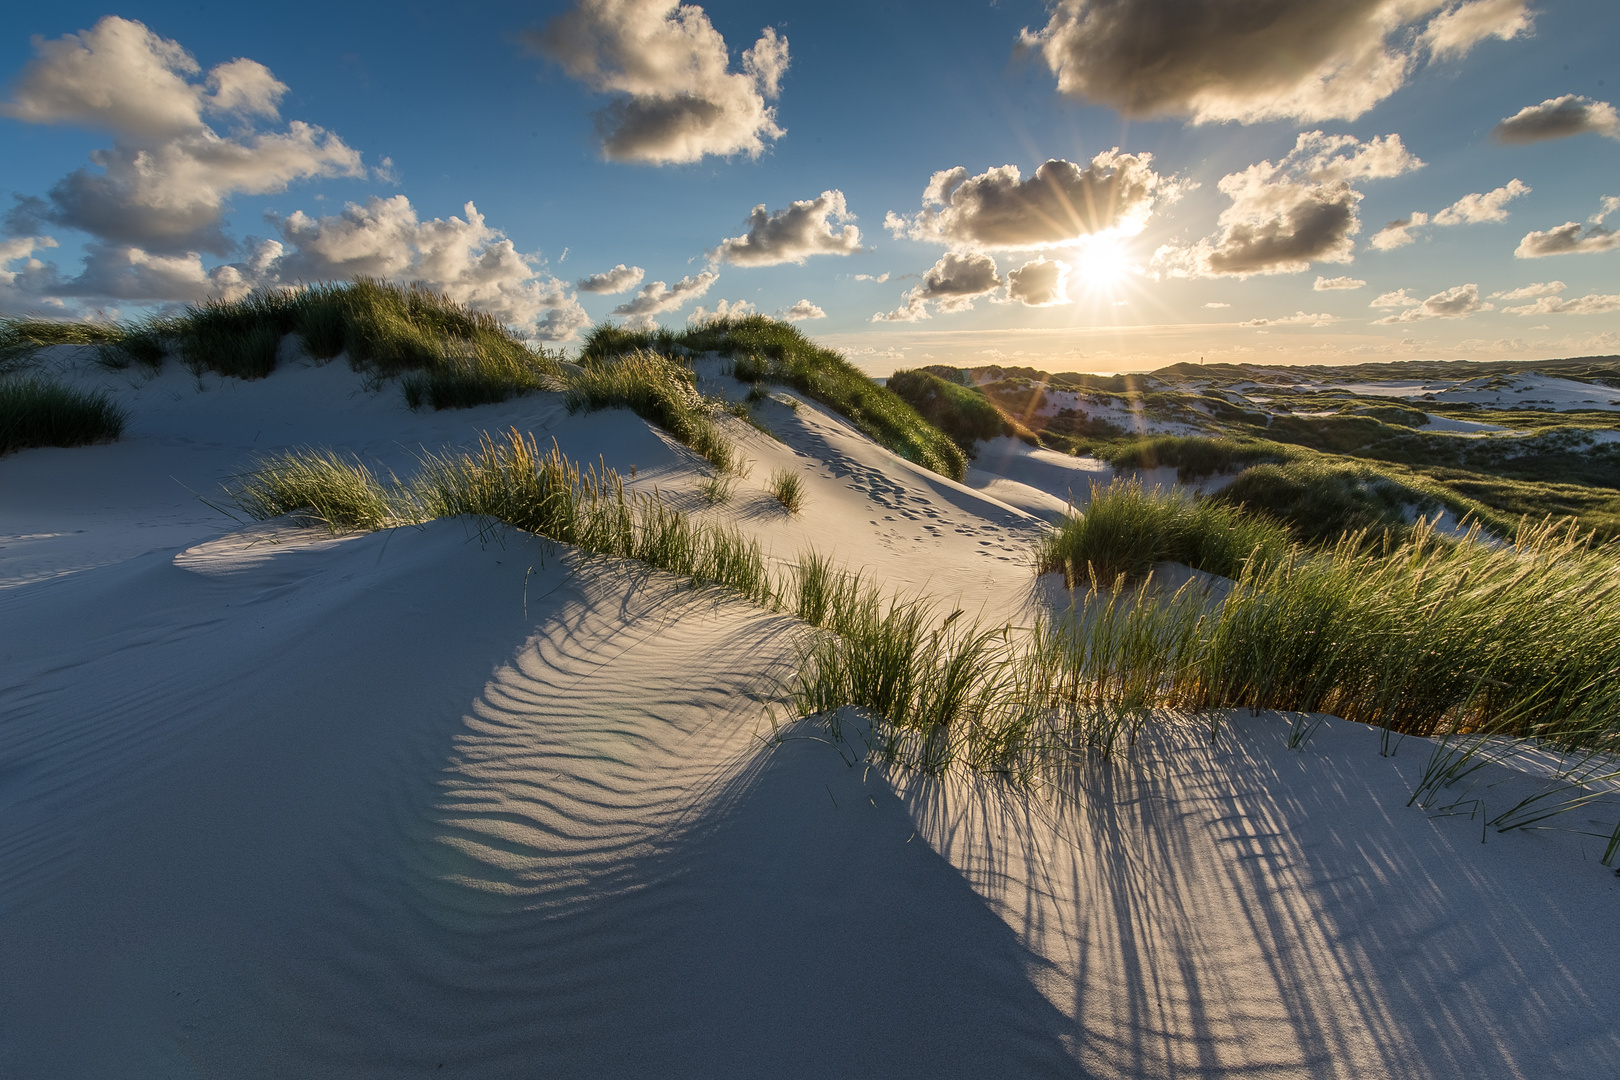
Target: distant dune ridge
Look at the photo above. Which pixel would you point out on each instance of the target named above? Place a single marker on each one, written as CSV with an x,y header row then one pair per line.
x,y
452,798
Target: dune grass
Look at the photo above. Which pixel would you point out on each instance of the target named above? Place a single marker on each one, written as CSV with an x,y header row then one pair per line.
x,y
20,336
1125,529
509,480
788,489
1421,638
765,350
340,493
716,490
1413,635
1192,456
961,412
658,390
1321,500
39,412
447,355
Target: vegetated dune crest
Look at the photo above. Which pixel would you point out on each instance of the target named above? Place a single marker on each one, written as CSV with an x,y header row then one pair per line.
x,y
278,803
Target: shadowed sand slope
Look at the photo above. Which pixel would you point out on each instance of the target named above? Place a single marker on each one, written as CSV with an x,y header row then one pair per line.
x,y
401,799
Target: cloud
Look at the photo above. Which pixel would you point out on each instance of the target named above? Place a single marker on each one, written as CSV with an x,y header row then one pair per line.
x,y
1458,302
657,298
1327,284
1568,239
1593,304
465,258
1396,299
1459,28
119,76
28,285
953,283
1558,118
725,309
880,279
164,183
123,272
616,280
1039,284
1468,210
676,97
1286,216
1061,203
1308,60
1216,304
801,311
1299,318
1491,206
1398,233
791,235
1529,292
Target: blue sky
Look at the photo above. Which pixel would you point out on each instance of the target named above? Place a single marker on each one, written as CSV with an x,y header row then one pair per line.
x,y
161,154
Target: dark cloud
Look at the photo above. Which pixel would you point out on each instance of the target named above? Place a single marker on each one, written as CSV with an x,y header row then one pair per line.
x,y
1061,203
1568,239
1558,118
1215,60
1039,283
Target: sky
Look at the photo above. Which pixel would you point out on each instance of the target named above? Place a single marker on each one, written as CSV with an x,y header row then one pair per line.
x,y
1077,185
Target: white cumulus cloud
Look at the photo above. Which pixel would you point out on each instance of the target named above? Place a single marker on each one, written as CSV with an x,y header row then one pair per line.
x,y
1307,60
655,298
1531,291
616,280
1468,210
676,97
1397,299
725,309
1458,302
952,283
1490,206
1284,217
793,234
465,258
1462,26
801,311
1327,284
1592,304
164,183
1061,203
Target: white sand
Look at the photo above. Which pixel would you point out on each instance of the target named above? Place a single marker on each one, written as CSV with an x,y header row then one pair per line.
x,y
274,804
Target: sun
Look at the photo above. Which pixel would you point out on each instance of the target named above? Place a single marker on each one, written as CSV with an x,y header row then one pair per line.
x,y
1102,264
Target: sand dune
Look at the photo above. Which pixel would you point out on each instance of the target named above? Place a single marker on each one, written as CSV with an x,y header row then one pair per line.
x,y
457,802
